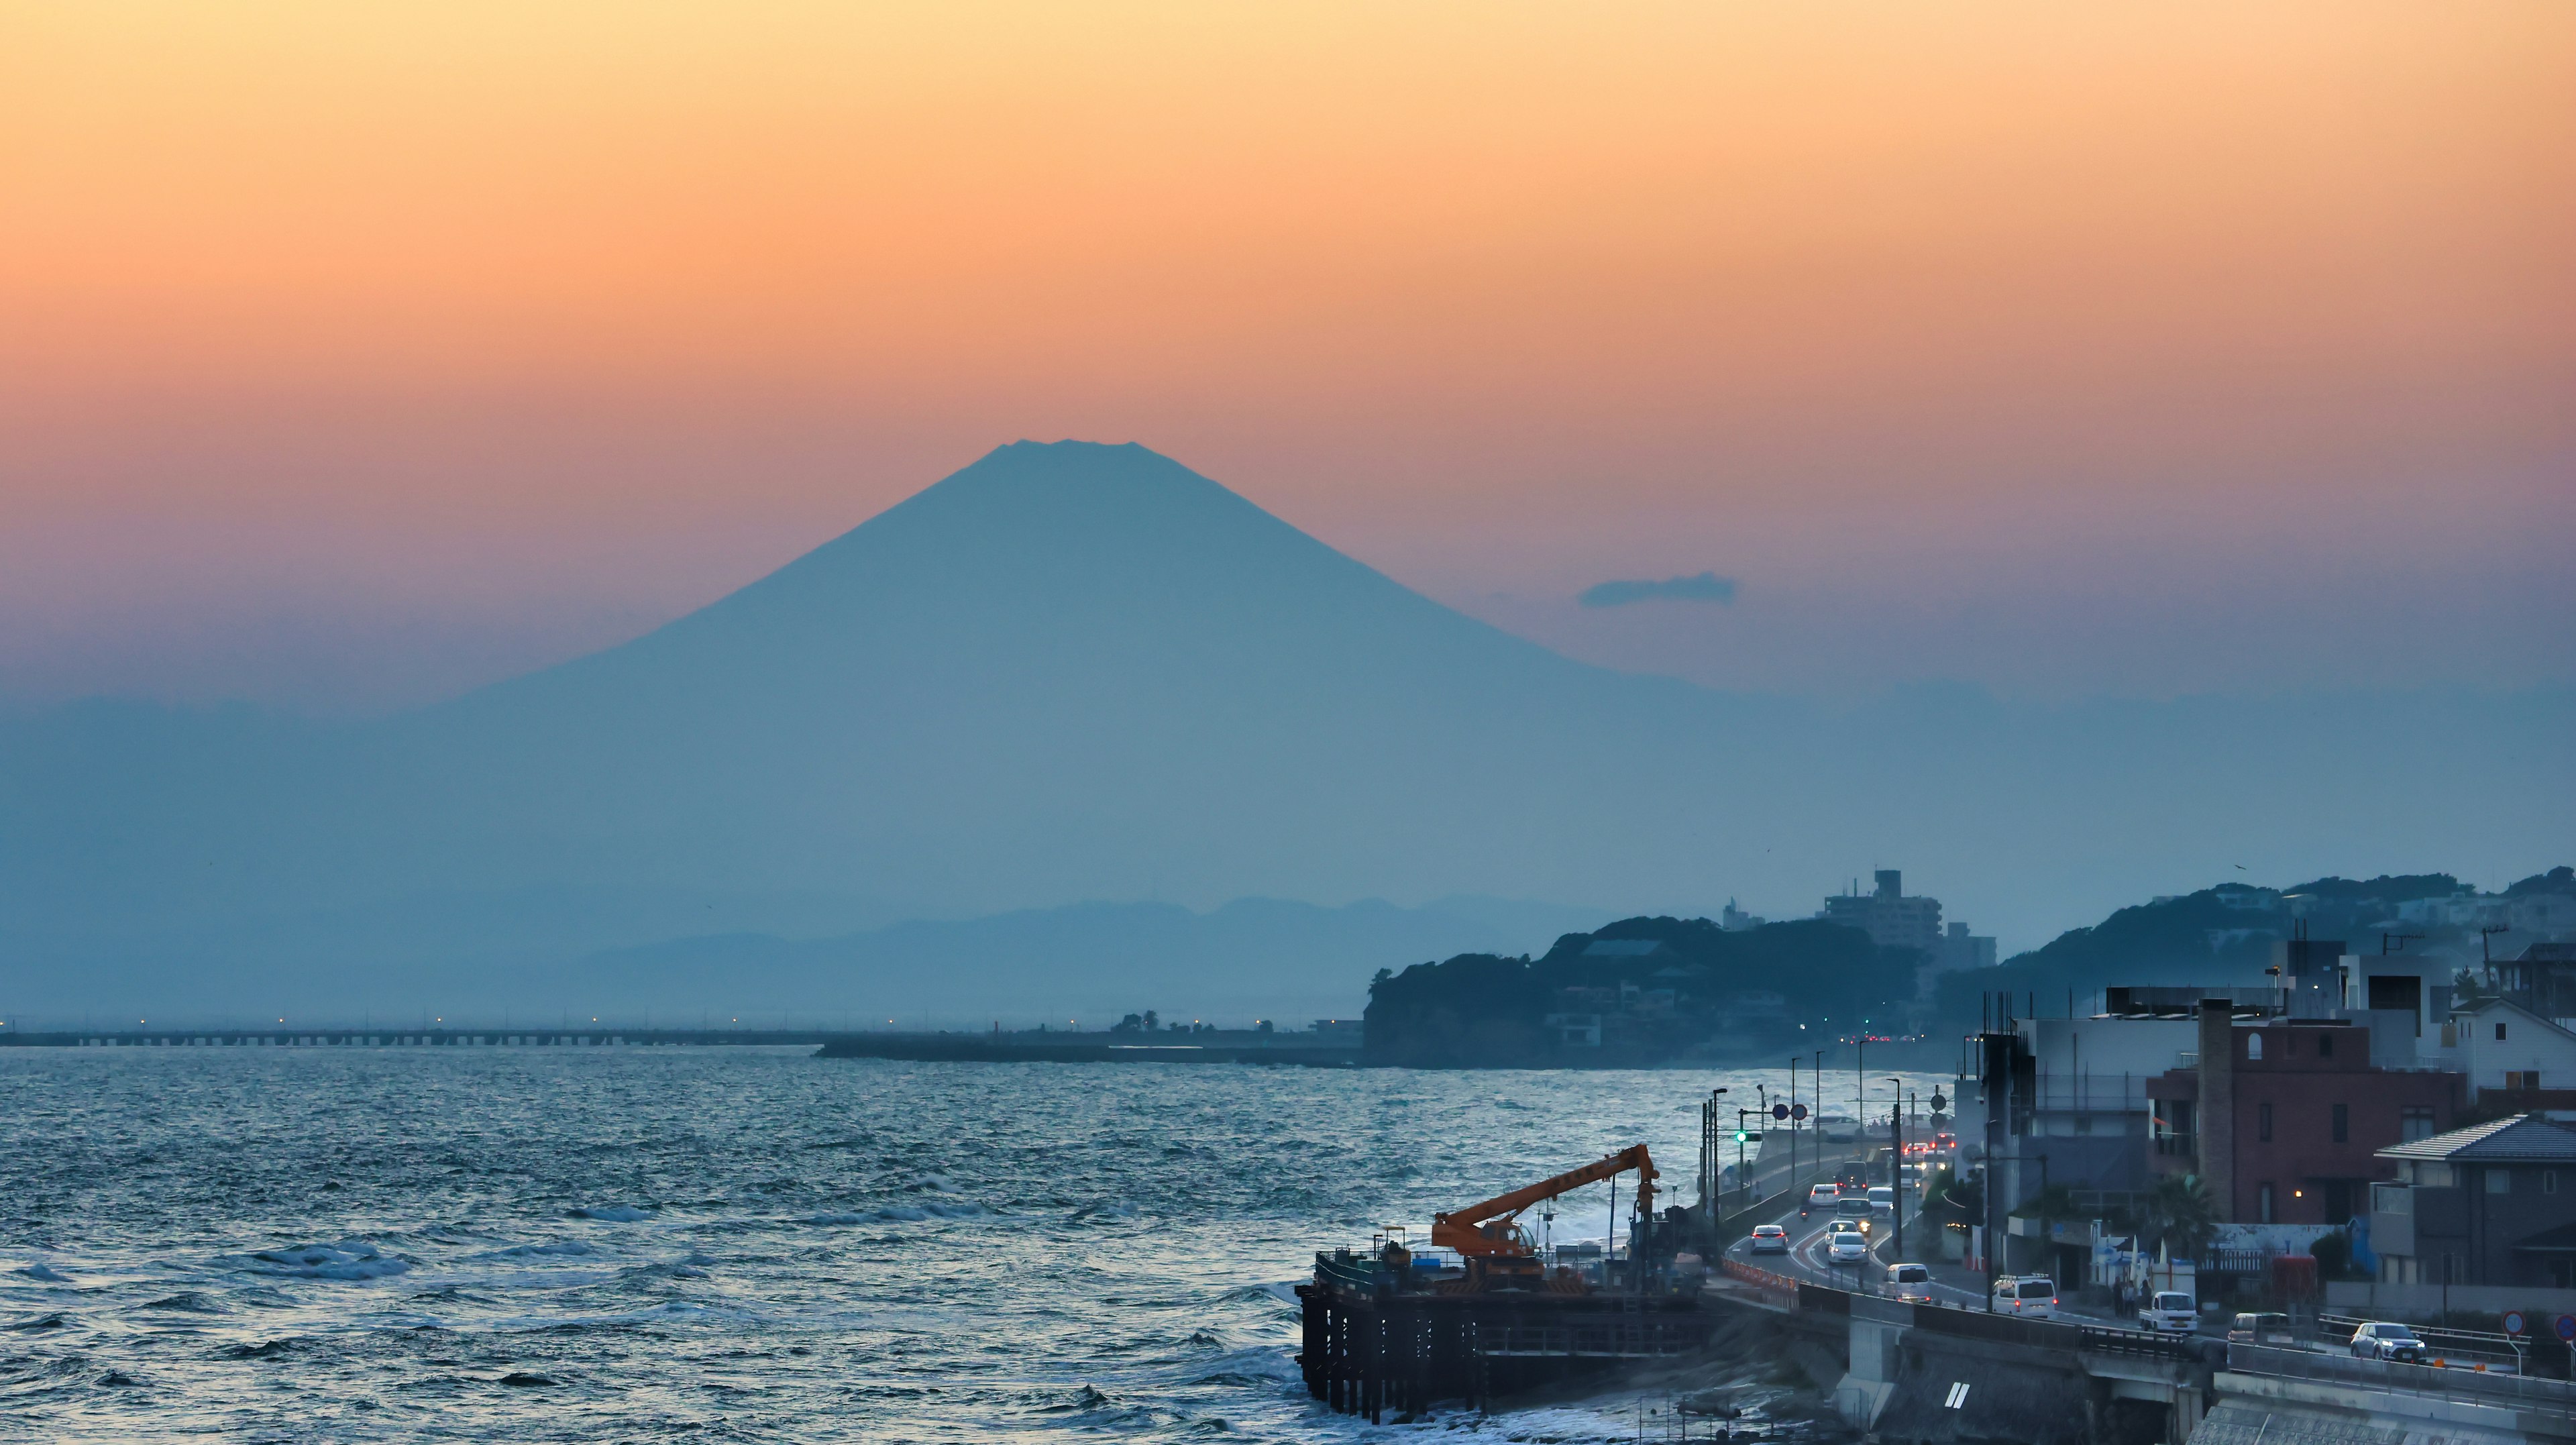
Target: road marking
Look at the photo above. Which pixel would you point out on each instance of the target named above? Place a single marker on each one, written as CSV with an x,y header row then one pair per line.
x,y
1958,1396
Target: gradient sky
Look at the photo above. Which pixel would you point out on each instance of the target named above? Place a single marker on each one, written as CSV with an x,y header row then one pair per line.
x,y
352,355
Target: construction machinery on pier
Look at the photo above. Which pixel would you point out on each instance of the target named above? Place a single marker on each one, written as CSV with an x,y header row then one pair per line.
x,y
1386,1328
1496,1248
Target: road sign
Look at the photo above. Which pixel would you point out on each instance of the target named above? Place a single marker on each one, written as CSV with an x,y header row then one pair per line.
x,y
1779,1111
2513,1322
1797,1111
2567,1328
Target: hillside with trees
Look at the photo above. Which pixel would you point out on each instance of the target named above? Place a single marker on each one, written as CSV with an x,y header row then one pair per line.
x,y
1638,992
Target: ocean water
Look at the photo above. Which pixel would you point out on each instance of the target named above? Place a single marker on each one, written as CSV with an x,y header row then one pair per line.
x,y
734,1244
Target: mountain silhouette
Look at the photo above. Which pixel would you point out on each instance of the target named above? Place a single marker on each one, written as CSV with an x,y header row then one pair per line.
x,y
1071,670
1075,672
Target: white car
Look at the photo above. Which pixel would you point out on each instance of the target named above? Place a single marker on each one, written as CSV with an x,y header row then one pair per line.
x,y
2031,1296
1768,1239
1823,1196
2381,1340
1882,1199
1846,1246
1911,1282
2169,1312
1837,1128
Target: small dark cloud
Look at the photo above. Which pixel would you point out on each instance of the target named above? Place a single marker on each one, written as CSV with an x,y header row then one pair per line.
x,y
1706,587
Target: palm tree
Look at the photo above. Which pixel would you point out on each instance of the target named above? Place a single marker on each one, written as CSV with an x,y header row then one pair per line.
x,y
2178,1215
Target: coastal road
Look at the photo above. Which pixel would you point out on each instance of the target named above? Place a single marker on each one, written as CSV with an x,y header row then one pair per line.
x,y
1806,1260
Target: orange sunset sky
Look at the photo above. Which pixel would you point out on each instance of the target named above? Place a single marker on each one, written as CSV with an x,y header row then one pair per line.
x,y
351,355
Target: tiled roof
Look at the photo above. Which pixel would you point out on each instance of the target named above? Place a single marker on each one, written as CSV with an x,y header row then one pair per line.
x,y
2521,1139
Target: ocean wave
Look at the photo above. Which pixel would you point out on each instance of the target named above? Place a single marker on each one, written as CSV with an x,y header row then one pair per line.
x,y
1282,1292
611,1213
348,1259
902,1213
50,1320
565,1248
186,1302
1104,1209
44,1272
1249,1367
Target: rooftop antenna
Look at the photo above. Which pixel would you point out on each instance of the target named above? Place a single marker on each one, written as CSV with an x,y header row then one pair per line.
x,y
2400,939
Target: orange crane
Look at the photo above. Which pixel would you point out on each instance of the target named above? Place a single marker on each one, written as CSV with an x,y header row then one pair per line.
x,y
1489,1237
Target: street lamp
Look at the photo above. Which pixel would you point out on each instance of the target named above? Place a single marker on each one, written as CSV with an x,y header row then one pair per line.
x,y
1896,1162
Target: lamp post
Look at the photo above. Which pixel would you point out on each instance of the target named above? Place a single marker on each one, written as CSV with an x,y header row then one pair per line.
x,y
1896,1162
1706,1193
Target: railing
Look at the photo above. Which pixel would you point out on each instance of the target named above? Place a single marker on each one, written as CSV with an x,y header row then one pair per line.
x,y
2453,1382
2462,1349
1759,1278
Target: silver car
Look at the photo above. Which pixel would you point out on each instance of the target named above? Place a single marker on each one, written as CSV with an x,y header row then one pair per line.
x,y
2384,1340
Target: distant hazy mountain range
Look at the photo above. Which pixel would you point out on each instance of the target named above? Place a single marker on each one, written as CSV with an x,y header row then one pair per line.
x,y
1075,672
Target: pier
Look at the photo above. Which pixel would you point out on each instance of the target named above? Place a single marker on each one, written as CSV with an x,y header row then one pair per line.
x,y
1021,1046
1385,1336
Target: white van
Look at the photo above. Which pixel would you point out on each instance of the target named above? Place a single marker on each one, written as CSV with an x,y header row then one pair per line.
x,y
1882,1200
2031,1296
1910,1282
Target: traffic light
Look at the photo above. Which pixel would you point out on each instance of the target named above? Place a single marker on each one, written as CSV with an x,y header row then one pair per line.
x,y
1741,1136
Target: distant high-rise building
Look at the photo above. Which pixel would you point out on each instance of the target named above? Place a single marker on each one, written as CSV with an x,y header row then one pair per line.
x,y
1736,920
1891,919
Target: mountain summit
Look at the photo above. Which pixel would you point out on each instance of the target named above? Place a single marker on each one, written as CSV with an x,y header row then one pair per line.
x,y
1069,669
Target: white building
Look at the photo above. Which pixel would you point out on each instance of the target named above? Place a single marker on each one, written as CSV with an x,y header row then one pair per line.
x,y
2500,1045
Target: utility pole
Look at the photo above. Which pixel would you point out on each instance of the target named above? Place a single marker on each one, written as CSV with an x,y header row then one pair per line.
x,y
1860,1088
1793,1123
1762,1092
1896,1163
1739,1156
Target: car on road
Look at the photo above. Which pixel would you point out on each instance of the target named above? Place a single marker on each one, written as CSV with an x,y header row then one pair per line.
x,y
1768,1239
1823,1196
1854,1207
2169,1312
1910,1282
1837,1128
2262,1328
1846,1247
1882,1199
2385,1340
2031,1296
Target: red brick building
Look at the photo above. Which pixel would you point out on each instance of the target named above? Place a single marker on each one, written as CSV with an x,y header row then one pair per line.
x,y
2283,1118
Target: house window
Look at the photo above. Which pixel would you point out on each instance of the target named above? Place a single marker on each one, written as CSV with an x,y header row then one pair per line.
x,y
2342,1123
2254,1044
2548,1181
2499,1181
2414,1124
2499,1029
2263,1122
2523,1079
2263,1206
2325,1046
